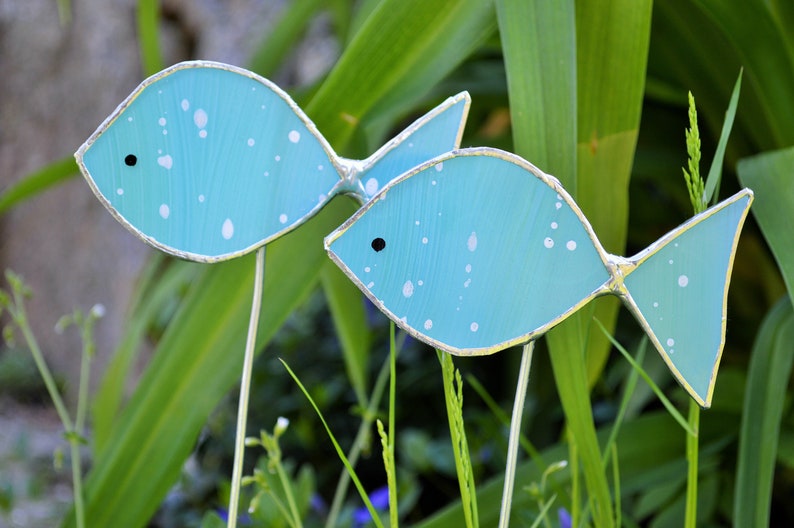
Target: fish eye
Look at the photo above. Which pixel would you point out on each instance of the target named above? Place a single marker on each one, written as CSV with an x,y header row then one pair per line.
x,y
131,160
378,244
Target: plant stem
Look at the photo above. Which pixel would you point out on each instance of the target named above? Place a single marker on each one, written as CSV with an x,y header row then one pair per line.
x,y
692,460
245,386
515,432
393,513
358,443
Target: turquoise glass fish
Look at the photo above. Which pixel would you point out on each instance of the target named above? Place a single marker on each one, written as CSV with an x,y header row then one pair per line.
x,y
478,250
207,161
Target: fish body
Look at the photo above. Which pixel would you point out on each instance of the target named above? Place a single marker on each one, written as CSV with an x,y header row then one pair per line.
x,y
478,250
207,161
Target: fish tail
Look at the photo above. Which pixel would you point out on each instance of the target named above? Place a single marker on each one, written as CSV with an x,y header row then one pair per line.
x,y
437,132
678,287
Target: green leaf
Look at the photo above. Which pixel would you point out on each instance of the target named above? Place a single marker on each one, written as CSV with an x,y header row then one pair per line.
x,y
403,48
769,371
284,36
715,172
769,175
148,17
200,357
350,322
37,182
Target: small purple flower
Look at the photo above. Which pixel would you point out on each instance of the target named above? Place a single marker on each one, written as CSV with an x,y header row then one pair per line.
x,y
242,520
564,518
380,501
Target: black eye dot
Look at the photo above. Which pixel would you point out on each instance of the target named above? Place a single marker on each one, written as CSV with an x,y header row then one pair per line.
x,y
378,244
131,160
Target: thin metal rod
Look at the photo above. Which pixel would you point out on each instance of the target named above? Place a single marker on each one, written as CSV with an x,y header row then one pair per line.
x,y
515,433
245,386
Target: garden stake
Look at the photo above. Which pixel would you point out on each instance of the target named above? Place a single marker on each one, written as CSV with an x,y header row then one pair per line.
x,y
515,433
245,386
188,164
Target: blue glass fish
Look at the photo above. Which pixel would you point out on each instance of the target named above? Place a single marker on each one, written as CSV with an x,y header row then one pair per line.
x,y
207,161
478,250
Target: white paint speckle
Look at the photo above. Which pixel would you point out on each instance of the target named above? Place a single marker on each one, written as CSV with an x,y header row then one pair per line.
x,y
554,225
119,191
370,285
548,242
165,161
420,283
410,144
670,342
672,351
266,173
165,211
467,283
282,218
408,289
656,305
185,105
367,269
468,268
440,166
474,327
200,118
278,158
294,136
319,167
250,142
227,230
683,280
129,119
558,205
371,186
471,243
202,134
424,240
161,121
670,261
571,245
428,324
559,197
201,198
165,132
416,222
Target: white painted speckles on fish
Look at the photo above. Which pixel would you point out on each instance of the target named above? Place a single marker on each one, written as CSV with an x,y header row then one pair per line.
x,y
165,161
227,229
520,279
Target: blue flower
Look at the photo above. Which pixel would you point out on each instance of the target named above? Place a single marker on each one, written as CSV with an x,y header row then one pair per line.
x,y
380,501
564,518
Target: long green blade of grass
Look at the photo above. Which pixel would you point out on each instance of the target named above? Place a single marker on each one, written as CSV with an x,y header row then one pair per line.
x,y
37,182
764,399
769,176
148,16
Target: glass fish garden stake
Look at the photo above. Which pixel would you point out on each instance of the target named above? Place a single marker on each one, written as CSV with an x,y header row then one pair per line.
x,y
207,161
478,250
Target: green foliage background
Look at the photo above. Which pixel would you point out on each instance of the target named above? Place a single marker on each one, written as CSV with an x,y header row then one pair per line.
x,y
596,95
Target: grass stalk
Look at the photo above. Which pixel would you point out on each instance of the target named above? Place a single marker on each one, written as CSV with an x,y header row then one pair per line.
x,y
515,433
358,442
245,386
360,487
692,470
453,397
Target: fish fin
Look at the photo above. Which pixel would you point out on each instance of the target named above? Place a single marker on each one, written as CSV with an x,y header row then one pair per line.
x,y
437,132
678,288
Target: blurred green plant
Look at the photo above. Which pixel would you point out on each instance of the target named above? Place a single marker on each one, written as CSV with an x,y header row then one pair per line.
x,y
567,95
